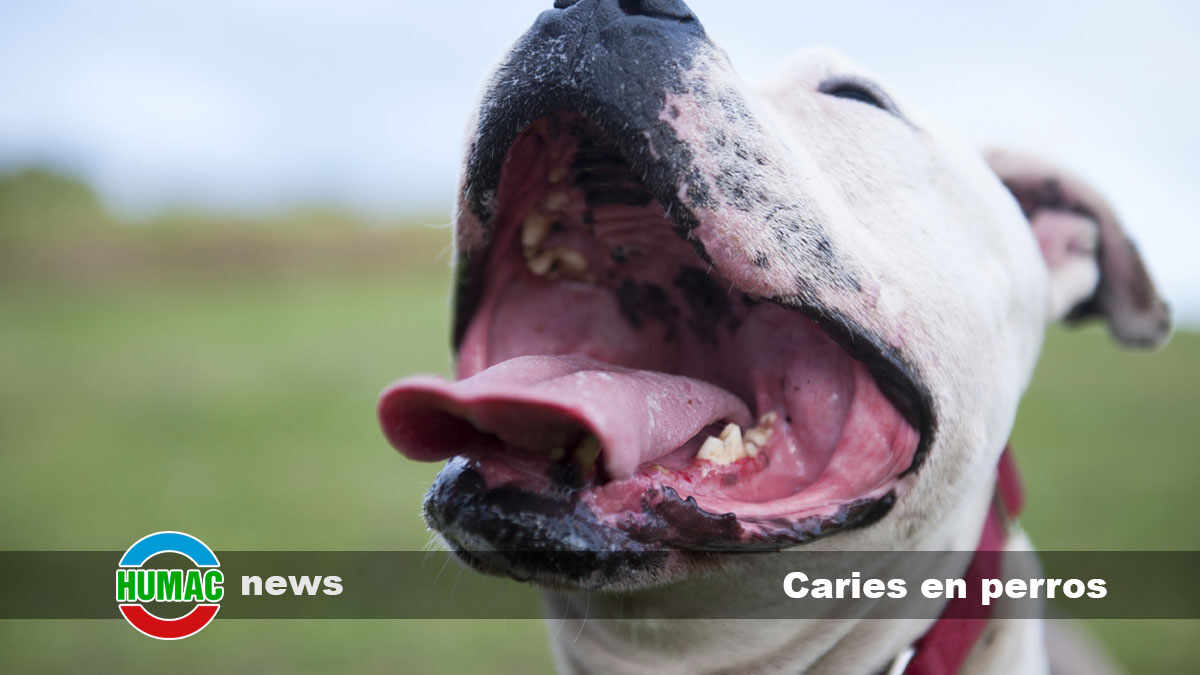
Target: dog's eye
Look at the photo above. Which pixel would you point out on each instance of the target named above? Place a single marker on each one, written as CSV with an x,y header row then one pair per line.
x,y
856,90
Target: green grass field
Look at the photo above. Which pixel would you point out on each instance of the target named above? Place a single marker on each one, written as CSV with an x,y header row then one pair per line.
x,y
232,397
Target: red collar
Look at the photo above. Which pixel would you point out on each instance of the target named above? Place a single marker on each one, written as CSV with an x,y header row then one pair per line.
x,y
944,647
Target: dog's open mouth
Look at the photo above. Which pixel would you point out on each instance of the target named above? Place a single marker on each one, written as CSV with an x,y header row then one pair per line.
x,y
610,375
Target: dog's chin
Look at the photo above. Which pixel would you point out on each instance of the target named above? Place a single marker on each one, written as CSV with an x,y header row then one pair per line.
x,y
623,411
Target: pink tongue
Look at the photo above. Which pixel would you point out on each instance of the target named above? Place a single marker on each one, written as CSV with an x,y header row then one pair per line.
x,y
543,402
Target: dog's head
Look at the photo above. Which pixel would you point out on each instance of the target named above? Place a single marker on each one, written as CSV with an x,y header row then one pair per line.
x,y
691,316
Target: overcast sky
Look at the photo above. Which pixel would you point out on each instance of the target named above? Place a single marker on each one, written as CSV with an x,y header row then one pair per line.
x,y
264,102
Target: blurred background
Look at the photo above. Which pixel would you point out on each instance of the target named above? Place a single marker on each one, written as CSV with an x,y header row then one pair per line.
x,y
223,231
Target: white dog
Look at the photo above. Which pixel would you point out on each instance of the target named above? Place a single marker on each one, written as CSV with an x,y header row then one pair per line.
x,y
692,316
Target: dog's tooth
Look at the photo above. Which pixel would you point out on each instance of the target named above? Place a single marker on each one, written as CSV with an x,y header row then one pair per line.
x,y
557,174
713,450
657,470
725,449
559,261
571,262
556,200
586,453
731,435
533,232
731,430
758,436
556,454
541,263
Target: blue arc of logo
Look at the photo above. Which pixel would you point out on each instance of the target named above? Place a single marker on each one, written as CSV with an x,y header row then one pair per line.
x,y
174,542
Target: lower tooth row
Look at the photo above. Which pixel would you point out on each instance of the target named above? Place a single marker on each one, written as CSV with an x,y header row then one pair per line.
x,y
732,445
586,454
726,448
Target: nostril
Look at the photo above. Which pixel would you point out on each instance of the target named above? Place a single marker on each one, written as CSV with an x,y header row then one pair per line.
x,y
662,9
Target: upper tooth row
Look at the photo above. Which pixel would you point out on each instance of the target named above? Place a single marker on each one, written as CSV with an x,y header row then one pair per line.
x,y
732,445
533,232
554,262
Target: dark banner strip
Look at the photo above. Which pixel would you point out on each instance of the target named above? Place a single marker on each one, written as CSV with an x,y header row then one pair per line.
x,y
435,585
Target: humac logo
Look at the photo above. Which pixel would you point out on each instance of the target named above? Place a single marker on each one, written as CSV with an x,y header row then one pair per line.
x,y
140,584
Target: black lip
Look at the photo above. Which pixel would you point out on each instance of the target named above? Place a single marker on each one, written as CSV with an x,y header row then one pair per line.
x,y
553,539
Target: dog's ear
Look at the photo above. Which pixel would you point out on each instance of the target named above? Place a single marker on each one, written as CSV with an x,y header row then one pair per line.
x,y
1095,270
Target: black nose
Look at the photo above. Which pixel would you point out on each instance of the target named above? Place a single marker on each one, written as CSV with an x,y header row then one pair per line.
x,y
661,9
